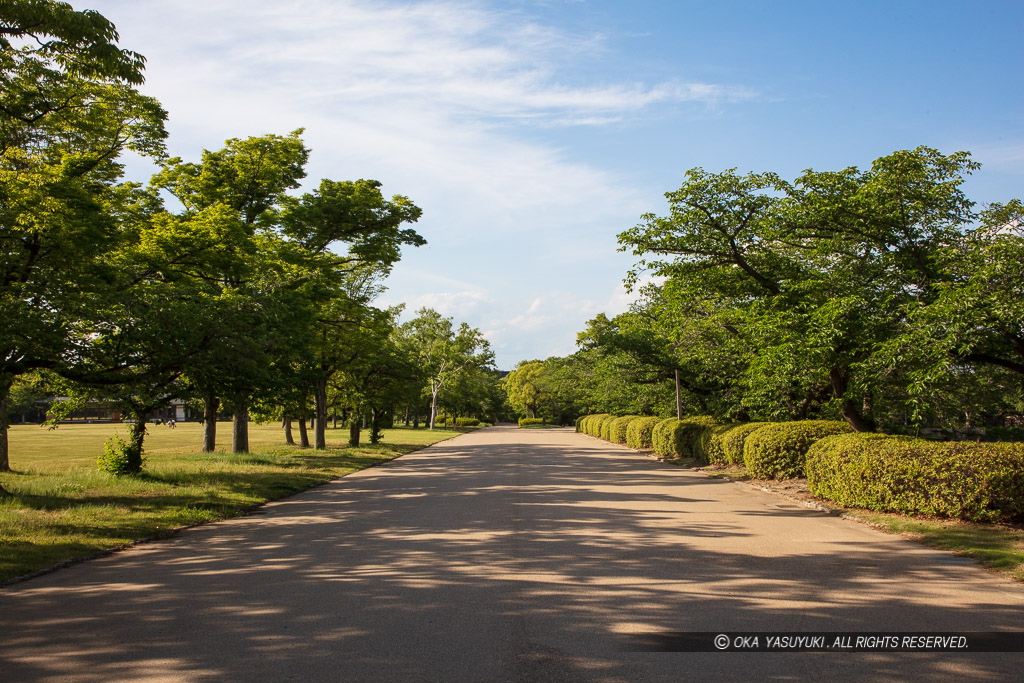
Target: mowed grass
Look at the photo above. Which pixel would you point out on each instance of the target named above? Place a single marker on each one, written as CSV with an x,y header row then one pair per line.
x,y
62,507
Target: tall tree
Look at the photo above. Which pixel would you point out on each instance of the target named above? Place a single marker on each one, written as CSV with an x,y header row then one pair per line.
x,y
823,269
68,109
348,237
444,350
246,180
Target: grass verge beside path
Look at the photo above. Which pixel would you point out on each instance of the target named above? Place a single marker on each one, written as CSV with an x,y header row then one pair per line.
x,y
63,507
998,547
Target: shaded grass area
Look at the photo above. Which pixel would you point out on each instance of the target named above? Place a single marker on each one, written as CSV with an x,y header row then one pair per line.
x,y
62,507
998,547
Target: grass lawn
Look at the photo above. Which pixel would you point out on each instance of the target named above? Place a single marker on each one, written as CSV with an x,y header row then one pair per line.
x,y
999,547
63,507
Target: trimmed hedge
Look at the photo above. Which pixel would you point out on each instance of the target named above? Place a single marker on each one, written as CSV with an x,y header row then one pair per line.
x,y
579,420
734,439
972,481
779,451
712,449
674,438
605,430
661,438
581,427
592,424
619,426
526,421
638,433
446,420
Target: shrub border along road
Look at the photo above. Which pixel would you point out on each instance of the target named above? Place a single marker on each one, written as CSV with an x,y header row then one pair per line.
x,y
995,546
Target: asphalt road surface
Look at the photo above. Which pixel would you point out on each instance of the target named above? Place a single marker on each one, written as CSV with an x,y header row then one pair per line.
x,y
505,555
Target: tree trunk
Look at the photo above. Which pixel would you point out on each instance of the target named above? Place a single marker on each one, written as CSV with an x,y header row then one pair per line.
x,y
416,418
303,433
334,419
848,408
210,406
407,416
287,424
240,428
5,463
679,399
320,406
135,438
433,410
375,416
353,431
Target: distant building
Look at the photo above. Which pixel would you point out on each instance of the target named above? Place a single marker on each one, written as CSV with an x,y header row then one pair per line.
x,y
100,411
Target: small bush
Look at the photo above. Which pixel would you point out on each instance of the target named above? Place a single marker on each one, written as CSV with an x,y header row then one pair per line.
x,y
592,424
619,426
662,438
691,435
711,447
527,421
605,430
972,481
579,421
120,457
674,438
638,433
467,422
779,451
733,439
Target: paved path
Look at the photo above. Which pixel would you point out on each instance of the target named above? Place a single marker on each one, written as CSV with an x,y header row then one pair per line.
x,y
503,555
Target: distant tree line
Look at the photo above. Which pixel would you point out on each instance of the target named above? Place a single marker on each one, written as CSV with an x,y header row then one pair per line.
x,y
882,297
245,297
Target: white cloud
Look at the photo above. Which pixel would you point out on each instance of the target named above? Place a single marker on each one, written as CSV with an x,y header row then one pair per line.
x,y
450,103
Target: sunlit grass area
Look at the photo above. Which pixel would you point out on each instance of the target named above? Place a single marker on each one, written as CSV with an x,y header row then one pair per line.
x,y
62,507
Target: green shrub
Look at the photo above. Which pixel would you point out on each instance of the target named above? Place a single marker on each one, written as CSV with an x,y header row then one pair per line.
x,y
120,457
662,439
972,481
711,448
588,424
733,439
638,433
467,422
592,424
605,430
690,435
527,421
579,421
619,426
779,450
674,438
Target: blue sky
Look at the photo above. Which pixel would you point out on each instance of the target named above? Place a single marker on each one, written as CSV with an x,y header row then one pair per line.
x,y
533,132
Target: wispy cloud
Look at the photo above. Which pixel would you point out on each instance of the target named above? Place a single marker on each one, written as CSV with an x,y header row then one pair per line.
x,y
452,103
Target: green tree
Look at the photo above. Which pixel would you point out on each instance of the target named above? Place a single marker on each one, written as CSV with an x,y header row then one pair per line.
x,y
969,335
68,109
821,271
244,183
444,351
354,216
523,386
